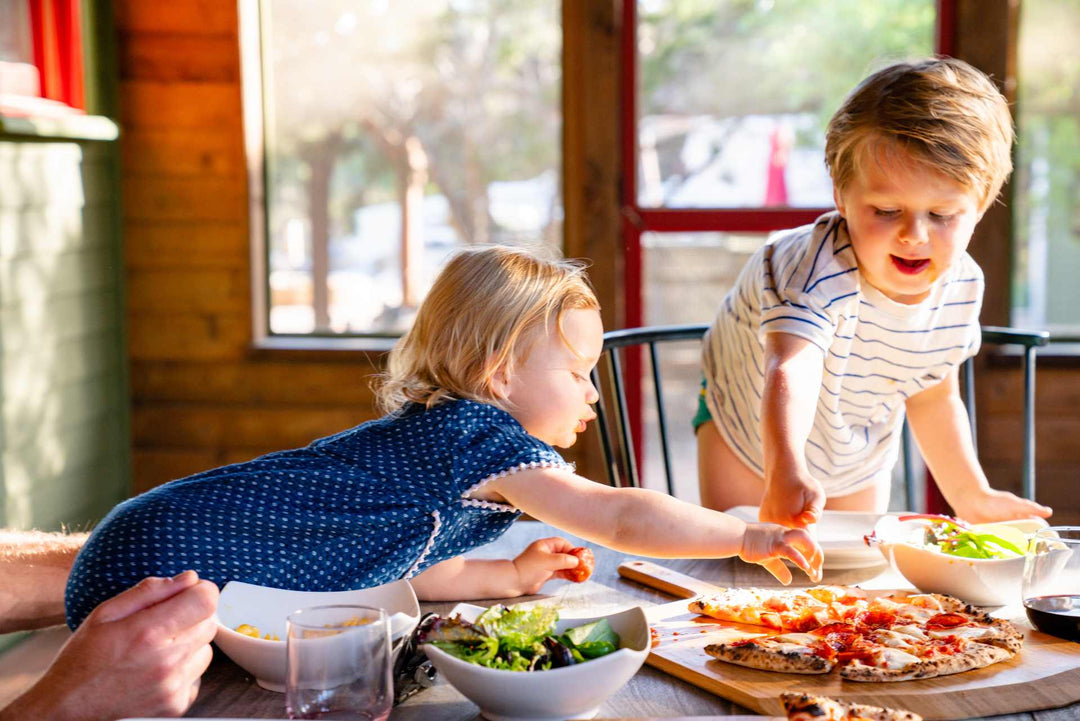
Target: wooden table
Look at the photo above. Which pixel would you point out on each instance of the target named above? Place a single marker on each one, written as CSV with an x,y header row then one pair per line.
x,y
228,691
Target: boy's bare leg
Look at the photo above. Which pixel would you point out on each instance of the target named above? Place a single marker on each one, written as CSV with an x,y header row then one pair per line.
x,y
875,499
723,479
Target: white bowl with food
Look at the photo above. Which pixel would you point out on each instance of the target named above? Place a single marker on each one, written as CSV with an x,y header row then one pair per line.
x,y
564,683
981,564
251,621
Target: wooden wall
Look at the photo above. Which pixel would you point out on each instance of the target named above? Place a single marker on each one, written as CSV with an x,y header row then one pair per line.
x,y
63,401
201,395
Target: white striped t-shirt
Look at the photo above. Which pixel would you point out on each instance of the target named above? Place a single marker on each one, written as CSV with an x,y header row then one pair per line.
x,y
877,352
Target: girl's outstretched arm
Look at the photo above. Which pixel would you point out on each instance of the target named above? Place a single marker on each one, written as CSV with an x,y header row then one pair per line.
x,y
649,523
940,423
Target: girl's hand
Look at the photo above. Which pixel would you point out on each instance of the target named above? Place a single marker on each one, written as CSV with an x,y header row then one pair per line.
x,y
795,502
766,544
543,560
993,505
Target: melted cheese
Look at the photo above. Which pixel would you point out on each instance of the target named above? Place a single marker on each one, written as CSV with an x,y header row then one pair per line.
x,y
963,632
894,659
910,629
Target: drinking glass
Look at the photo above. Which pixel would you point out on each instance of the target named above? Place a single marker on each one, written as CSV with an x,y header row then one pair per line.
x,y
1051,587
338,664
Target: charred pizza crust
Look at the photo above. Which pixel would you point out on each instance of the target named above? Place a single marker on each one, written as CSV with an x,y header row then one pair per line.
x,y
786,653
804,707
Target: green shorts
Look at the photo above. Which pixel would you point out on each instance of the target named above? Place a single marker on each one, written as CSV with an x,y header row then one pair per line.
x,y
702,415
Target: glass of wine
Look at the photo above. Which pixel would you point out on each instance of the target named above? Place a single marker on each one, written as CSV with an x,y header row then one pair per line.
x,y
338,664
1051,587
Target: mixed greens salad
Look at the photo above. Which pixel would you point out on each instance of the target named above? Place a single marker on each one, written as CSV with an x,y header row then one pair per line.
x,y
957,538
521,639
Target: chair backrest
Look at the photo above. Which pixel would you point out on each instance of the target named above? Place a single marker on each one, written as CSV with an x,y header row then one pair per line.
x,y
615,426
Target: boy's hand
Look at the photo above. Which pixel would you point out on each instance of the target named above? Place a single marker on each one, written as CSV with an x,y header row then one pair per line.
x,y
795,503
543,560
766,544
993,505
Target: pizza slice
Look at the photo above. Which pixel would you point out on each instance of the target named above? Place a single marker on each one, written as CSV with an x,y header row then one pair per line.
x,y
780,610
804,707
786,653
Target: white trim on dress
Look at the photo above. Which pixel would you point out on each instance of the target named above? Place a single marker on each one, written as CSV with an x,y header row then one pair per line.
x,y
436,527
495,506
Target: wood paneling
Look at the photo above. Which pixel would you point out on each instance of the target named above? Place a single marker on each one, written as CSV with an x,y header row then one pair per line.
x,y
189,244
205,17
201,396
202,152
178,58
268,382
172,106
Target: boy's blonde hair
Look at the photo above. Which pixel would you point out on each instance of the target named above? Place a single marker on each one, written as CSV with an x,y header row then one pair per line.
x,y
480,315
941,111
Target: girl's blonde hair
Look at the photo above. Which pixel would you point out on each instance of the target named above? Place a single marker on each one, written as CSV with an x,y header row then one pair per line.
x,y
480,315
941,111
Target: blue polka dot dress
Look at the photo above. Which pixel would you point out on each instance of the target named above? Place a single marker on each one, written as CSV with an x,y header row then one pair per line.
x,y
370,505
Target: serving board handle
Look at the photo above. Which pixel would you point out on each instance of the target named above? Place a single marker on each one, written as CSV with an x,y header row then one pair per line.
x,y
664,579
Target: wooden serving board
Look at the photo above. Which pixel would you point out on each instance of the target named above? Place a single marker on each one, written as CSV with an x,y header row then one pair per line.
x,y
1045,674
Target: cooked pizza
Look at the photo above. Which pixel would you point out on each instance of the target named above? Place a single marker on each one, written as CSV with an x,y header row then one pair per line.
x,y
804,707
883,638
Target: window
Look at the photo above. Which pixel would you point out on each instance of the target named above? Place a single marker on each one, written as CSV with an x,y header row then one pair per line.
x,y
1046,206
396,133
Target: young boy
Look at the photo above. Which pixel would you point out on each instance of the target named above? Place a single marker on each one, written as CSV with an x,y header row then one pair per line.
x,y
835,330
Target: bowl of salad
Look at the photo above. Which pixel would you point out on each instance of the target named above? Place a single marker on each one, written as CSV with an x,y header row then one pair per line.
x,y
525,663
982,564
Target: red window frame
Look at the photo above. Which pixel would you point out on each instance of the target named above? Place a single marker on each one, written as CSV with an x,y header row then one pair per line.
x,y
56,38
638,220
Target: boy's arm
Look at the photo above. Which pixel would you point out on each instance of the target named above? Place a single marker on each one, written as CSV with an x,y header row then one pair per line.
x,y
793,370
34,568
939,420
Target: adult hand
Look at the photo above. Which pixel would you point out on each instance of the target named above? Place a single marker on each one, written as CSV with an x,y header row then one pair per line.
x,y
140,653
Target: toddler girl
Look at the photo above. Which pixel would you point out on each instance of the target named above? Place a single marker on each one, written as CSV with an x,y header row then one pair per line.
x,y
493,374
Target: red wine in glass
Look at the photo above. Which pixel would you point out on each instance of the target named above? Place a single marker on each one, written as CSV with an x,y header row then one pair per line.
x,y
1056,615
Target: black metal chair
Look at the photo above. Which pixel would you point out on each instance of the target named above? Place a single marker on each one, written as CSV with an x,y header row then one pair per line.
x,y
617,438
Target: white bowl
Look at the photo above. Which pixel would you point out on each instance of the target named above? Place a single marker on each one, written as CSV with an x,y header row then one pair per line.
x,y
978,581
559,693
266,609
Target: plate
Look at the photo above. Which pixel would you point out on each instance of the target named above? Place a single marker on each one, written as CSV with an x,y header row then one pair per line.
x,y
840,534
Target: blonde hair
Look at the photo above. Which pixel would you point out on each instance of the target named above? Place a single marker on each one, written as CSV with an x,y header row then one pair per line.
x,y
940,111
480,315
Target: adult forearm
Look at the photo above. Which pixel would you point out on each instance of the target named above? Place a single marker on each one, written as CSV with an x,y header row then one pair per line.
x,y
34,567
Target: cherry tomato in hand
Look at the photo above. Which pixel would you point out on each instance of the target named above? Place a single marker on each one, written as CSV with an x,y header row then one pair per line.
x,y
584,569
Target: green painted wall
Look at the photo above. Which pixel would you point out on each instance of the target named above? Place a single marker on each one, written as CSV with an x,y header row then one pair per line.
x,y
63,396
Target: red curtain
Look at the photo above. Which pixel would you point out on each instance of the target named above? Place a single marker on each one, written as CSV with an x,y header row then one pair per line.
x,y
58,54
